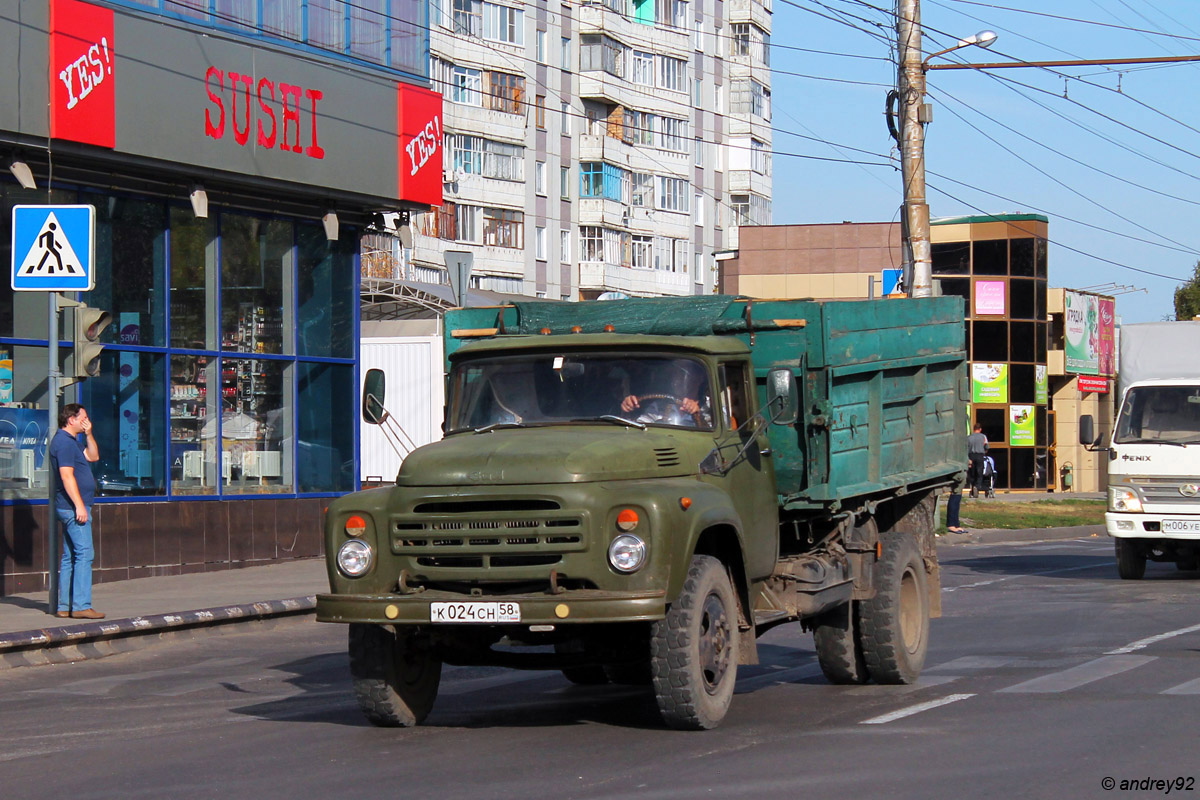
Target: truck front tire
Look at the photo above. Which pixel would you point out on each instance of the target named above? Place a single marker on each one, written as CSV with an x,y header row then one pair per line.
x,y
395,678
694,651
1131,559
895,623
839,647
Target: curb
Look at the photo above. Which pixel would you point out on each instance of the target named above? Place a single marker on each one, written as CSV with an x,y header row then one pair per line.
x,y
1002,536
106,637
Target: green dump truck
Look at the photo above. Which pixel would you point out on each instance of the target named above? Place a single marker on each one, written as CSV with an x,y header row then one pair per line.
x,y
632,491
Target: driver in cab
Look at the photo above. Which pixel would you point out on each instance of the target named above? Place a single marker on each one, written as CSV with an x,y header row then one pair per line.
x,y
675,396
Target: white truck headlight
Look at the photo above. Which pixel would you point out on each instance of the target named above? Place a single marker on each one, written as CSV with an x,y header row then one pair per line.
x,y
1121,499
354,558
627,553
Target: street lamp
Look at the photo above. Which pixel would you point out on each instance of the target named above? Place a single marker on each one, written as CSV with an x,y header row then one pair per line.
x,y
914,113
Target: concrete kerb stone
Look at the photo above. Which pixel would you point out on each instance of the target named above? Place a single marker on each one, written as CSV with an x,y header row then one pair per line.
x,y
107,637
1001,536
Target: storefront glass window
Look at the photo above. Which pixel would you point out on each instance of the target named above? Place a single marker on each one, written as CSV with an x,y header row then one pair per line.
x,y
256,427
325,294
125,404
194,449
255,253
23,430
131,249
193,281
325,452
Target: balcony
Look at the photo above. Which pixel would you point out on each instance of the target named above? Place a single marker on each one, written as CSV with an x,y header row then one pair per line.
x,y
633,281
744,180
749,11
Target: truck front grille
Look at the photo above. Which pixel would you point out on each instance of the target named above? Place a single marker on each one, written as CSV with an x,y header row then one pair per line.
x,y
1165,491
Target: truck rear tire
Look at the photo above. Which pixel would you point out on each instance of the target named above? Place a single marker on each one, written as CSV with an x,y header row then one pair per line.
x,y
839,647
895,623
1131,559
395,682
694,651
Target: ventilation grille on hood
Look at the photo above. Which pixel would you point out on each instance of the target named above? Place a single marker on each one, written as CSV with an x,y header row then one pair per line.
x,y
666,456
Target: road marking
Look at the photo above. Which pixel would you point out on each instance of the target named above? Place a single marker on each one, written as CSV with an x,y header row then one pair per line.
x,y
917,709
974,663
1025,575
1149,640
1103,667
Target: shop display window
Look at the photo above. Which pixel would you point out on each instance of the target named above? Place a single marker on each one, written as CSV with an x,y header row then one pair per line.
x,y
990,257
125,404
951,258
194,446
255,428
989,341
325,299
325,453
131,248
193,281
255,256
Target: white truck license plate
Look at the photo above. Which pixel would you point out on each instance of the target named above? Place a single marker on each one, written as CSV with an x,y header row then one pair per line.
x,y
1181,526
475,612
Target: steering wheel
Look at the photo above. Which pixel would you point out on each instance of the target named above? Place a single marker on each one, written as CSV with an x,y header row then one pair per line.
x,y
677,401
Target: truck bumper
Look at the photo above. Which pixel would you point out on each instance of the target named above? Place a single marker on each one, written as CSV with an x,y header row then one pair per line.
x,y
575,606
1151,526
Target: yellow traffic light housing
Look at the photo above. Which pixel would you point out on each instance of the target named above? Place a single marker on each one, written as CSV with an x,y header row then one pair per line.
x,y
89,324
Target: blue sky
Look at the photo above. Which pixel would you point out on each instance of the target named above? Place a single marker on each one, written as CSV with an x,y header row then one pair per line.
x,y
1115,164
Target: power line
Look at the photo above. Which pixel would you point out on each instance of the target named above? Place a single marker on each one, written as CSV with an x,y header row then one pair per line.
x,y
1076,19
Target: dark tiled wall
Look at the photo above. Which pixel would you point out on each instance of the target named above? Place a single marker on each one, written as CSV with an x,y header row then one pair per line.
x,y
138,540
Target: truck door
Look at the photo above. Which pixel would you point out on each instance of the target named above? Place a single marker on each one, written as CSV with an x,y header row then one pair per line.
x,y
752,479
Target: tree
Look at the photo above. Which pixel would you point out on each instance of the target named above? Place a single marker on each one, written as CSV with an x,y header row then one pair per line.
x,y
1187,297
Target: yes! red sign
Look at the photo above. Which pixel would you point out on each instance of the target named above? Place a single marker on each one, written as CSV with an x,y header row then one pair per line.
x,y
420,127
83,81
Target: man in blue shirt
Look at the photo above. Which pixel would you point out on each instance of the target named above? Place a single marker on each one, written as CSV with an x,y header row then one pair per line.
x,y
72,451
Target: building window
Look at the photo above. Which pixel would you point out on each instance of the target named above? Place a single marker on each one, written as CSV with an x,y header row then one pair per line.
x,y
564,55
466,221
475,155
639,127
601,53
539,243
507,92
699,151
643,68
539,111
565,125
503,24
541,47
671,13
564,247
698,208
503,228
760,157
672,194
747,40
539,177
465,86
748,96
468,17
749,209
672,74
564,183
671,134
641,255
608,181
642,190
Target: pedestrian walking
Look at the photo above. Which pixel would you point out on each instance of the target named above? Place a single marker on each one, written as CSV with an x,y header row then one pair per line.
x,y
977,448
953,501
72,452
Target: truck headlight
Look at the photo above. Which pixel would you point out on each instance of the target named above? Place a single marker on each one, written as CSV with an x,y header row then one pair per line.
x,y
627,553
354,558
1121,499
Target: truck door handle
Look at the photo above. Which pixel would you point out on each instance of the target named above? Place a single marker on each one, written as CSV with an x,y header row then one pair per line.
x,y
766,451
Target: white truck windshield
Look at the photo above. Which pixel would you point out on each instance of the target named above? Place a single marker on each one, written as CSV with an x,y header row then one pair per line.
x,y
1160,414
548,389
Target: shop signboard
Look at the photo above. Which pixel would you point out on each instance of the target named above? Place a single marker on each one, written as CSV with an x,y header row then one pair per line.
x,y
1090,384
989,383
1082,333
1041,384
989,298
420,126
83,82
1107,357
1021,426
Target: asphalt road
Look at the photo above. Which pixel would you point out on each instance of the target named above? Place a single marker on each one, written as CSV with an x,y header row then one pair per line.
x,y
1046,676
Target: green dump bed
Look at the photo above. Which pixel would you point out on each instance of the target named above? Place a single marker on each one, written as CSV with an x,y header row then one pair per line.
x,y
883,383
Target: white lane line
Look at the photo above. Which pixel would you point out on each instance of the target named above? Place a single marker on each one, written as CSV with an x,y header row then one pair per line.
x,y
974,663
1149,640
917,709
1103,667
1023,575
1191,687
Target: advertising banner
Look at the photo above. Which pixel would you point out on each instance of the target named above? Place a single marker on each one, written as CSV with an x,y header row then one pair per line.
x,y
1021,426
1041,384
420,126
1087,384
1107,336
989,298
83,94
989,383
1082,333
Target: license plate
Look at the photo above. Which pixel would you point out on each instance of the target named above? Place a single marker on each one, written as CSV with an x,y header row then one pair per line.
x,y
475,612
1181,526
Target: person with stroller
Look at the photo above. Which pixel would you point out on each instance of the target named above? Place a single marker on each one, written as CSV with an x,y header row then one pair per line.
x,y
977,448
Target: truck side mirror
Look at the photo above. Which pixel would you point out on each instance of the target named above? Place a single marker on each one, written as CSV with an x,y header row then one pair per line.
x,y
373,395
783,398
1087,432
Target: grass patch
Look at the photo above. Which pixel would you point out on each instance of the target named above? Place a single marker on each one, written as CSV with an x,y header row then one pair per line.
x,y
1018,515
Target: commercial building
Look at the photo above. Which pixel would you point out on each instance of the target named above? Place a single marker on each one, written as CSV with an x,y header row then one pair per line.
x,y
597,146
234,153
1027,351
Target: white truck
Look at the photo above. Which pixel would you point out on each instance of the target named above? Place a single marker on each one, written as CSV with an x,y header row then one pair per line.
x,y
1154,458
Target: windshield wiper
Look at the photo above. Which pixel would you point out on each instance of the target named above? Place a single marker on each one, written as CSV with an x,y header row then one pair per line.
x,y
494,425
613,418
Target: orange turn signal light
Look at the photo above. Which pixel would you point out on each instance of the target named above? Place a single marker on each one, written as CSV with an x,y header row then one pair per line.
x,y
609,328
356,526
685,503
879,549
544,331
627,520
576,329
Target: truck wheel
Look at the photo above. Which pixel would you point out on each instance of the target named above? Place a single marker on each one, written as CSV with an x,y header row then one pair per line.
x,y
895,623
839,648
1131,559
694,651
395,679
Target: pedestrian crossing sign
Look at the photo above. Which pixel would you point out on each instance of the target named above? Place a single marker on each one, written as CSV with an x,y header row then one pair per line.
x,y
53,248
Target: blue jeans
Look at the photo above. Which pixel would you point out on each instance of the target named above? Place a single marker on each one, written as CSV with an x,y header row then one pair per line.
x,y
75,572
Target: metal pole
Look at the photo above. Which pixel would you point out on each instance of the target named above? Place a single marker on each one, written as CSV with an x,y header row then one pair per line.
x,y
911,88
53,385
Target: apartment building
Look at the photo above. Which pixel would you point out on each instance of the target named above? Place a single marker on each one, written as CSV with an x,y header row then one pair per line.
x,y
592,147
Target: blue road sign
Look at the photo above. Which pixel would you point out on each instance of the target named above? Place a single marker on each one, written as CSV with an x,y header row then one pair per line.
x,y
53,248
891,280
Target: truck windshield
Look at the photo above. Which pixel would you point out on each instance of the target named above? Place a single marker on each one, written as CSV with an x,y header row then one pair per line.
x,y
549,389
1160,414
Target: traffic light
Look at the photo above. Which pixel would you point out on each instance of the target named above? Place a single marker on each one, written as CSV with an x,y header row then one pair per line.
x,y
89,324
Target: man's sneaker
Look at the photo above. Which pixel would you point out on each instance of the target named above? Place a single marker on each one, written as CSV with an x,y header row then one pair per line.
x,y
87,613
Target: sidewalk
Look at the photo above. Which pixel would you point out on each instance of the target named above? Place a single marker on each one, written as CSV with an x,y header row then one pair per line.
x,y
149,607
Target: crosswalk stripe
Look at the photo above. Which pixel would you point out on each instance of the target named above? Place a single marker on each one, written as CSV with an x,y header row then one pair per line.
x,y
1149,640
916,709
1191,687
1072,678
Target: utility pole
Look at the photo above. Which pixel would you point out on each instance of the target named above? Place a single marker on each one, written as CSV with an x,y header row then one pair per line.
x,y
912,113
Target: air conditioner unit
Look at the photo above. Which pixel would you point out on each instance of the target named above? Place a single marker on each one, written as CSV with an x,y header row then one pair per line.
x,y
450,176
